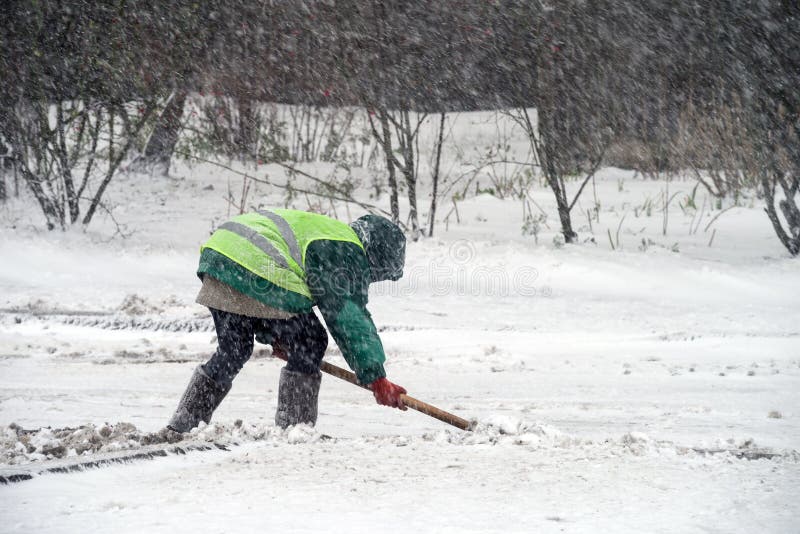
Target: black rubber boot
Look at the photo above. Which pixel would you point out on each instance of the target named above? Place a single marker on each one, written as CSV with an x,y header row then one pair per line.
x,y
298,394
202,396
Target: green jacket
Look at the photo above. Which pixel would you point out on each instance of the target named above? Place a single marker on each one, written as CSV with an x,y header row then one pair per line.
x,y
335,274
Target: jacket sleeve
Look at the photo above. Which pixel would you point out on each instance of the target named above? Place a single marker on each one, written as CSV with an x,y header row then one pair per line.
x,y
338,276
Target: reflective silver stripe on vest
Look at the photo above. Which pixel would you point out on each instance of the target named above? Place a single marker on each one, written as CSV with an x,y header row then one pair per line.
x,y
258,240
286,233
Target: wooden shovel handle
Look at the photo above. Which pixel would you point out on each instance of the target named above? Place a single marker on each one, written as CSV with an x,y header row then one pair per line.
x,y
411,402
436,413
408,400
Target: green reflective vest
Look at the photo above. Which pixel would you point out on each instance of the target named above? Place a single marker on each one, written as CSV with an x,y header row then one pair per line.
x,y
272,244
293,261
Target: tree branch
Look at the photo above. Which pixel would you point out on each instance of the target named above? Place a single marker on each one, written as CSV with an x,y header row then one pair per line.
x,y
346,198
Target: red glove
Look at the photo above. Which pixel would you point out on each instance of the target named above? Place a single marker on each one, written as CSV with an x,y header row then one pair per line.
x,y
387,393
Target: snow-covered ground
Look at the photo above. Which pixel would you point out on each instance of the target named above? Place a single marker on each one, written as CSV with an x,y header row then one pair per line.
x,y
602,379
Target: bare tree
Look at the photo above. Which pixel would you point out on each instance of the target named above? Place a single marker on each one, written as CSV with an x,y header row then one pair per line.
x,y
436,175
406,132
384,138
68,152
161,144
6,164
555,167
789,231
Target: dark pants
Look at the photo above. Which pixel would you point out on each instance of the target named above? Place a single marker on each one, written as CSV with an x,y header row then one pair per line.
x,y
302,338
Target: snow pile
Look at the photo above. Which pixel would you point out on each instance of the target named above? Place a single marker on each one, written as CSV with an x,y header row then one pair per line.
x,y
240,432
18,446
502,429
178,320
154,323
509,431
134,304
641,444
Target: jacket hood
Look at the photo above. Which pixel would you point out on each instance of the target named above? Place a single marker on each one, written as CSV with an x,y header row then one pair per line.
x,y
384,244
